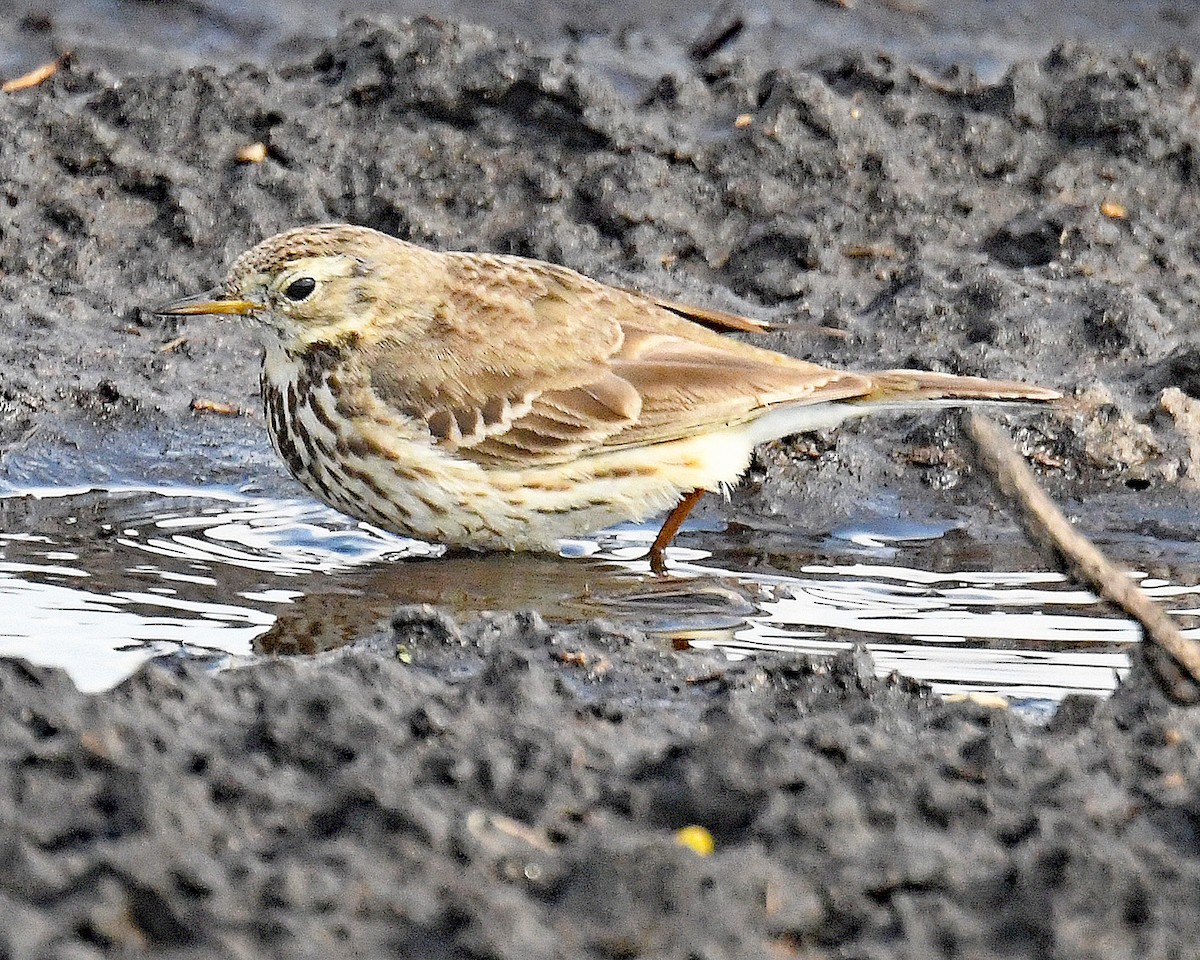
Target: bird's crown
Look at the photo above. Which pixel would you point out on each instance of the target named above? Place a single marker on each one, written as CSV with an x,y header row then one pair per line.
x,y
327,239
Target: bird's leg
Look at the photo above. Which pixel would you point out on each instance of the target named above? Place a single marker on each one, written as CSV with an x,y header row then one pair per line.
x,y
670,527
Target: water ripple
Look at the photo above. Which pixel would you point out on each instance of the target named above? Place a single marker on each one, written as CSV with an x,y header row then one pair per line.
x,y
97,582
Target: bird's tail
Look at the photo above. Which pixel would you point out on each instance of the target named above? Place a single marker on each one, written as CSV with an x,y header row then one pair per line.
x,y
900,388
893,390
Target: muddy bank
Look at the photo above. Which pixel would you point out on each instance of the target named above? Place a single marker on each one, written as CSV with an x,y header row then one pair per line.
x,y
1041,227
497,788
501,789
638,39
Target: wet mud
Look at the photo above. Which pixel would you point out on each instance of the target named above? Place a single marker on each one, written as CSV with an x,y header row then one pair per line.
x,y
502,788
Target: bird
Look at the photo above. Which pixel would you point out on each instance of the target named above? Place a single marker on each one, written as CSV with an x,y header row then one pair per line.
x,y
497,402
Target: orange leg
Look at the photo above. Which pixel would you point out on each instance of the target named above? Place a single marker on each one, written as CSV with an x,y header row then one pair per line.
x,y
670,527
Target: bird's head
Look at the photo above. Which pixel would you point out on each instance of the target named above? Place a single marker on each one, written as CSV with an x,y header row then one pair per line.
x,y
308,286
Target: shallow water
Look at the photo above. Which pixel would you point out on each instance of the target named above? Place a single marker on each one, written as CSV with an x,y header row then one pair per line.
x,y
97,582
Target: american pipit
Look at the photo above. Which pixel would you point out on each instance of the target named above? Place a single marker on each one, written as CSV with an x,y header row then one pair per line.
x,y
502,403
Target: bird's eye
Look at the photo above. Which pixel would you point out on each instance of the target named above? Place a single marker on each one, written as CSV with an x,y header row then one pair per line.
x,y
300,289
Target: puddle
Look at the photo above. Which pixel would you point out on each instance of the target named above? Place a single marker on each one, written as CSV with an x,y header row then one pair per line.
x,y
97,582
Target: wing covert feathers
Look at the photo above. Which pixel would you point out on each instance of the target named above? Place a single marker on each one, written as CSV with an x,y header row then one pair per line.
x,y
523,363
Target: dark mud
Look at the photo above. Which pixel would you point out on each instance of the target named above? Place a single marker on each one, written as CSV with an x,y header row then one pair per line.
x,y
501,789
513,791
1042,227
639,39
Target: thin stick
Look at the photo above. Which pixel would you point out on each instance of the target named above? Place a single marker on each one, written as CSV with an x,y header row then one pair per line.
x,y
1172,657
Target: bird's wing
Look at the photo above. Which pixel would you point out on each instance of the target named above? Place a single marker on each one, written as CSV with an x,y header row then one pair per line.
x,y
717,320
535,364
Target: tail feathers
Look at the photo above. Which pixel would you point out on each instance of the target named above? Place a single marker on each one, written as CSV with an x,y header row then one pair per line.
x,y
891,390
902,387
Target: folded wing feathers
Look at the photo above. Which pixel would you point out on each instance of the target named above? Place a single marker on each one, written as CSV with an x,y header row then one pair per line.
x,y
717,320
463,425
668,376
679,389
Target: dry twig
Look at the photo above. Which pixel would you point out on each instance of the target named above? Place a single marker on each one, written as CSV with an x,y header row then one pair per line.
x,y
1172,657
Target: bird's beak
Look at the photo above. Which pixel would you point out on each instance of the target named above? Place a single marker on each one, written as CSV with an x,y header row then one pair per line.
x,y
210,301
